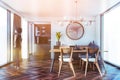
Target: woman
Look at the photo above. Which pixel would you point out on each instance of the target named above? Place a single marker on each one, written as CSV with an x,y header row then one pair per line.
x,y
17,47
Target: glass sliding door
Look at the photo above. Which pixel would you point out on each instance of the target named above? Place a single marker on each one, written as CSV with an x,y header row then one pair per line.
x,y
3,36
24,26
112,36
12,16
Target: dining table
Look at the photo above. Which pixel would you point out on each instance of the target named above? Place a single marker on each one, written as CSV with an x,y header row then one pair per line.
x,y
56,51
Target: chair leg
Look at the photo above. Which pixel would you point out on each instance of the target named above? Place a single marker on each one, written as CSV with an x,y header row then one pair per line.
x,y
86,68
93,66
82,65
71,66
98,68
52,65
60,66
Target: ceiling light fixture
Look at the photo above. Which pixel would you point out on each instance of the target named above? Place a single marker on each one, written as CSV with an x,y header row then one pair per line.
x,y
85,20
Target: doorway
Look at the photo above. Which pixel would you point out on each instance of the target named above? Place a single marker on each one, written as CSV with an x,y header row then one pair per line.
x,y
42,44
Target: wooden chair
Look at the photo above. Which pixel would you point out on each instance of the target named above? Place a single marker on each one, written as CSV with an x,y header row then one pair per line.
x,y
92,59
66,56
82,55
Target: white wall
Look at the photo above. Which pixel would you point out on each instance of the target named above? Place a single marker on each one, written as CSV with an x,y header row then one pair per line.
x,y
89,34
97,31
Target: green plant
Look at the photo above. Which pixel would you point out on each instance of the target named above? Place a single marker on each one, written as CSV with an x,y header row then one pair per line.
x,y
58,35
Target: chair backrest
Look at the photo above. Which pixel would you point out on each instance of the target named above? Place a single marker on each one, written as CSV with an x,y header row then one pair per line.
x,y
92,50
97,55
66,50
95,51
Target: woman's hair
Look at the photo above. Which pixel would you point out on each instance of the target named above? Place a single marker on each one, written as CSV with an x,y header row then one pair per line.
x,y
19,30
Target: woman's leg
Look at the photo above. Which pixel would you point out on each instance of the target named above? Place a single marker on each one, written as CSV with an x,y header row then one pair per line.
x,y
18,58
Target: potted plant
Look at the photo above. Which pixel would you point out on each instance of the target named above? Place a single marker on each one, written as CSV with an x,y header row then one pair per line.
x,y
58,36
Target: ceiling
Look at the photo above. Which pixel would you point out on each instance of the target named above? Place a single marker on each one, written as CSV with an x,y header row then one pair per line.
x,y
35,10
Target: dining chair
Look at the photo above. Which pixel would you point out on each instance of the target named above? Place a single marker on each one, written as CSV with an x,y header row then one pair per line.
x,y
93,60
66,56
82,55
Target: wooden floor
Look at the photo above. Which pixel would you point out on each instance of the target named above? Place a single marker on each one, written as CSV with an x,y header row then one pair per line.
x,y
39,70
38,67
42,51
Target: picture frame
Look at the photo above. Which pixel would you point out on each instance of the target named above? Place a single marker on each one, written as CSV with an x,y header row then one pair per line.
x,y
75,30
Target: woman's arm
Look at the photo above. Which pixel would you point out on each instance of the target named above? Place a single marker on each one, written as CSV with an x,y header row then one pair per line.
x,y
14,40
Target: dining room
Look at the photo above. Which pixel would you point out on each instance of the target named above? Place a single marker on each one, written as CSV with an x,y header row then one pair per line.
x,y
60,39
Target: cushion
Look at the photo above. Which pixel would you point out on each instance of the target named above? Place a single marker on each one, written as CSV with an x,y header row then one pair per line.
x,y
92,47
92,50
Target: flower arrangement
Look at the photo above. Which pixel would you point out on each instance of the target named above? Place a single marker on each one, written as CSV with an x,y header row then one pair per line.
x,y
58,35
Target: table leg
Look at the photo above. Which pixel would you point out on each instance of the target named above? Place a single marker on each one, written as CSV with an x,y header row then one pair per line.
x,y
52,65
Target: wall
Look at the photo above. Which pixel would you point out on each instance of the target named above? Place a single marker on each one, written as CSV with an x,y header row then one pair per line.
x,y
97,31
89,34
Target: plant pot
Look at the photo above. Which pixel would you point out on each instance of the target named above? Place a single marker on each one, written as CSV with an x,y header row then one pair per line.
x,y
58,43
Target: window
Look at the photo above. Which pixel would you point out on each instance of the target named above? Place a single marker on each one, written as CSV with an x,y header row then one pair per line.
x,y
112,36
12,16
3,36
24,39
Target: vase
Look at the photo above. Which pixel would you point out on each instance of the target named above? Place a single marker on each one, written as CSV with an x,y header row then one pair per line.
x,y
58,43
